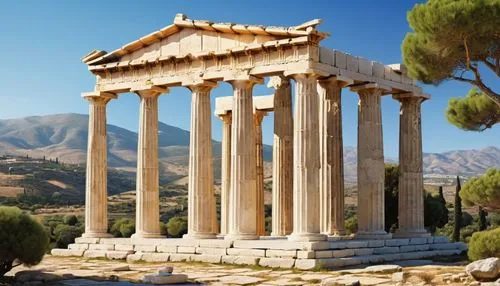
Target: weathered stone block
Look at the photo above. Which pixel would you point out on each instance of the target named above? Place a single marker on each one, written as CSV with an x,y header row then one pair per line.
x,y
378,70
376,243
95,254
306,264
430,239
277,262
209,258
215,243
343,253
316,245
365,66
397,242
348,261
116,240
246,252
357,244
340,59
281,253
370,259
331,262
186,249
440,246
75,246
386,250
101,247
207,250
66,252
92,240
240,260
418,240
391,257
180,257
338,245
114,254
124,247
326,56
441,239
278,244
362,251
352,63
304,254
422,247
324,253
145,248
155,257
408,248
166,248
134,257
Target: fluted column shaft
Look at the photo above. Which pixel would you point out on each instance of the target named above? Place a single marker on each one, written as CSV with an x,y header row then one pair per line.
x,y
371,169
201,200
147,190
282,160
261,227
225,173
243,203
96,198
306,200
411,182
332,163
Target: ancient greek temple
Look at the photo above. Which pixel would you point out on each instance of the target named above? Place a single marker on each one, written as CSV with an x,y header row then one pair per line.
x,y
308,180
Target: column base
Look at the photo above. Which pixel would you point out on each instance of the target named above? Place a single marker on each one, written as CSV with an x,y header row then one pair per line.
x,y
307,237
221,236
146,235
97,235
335,233
241,236
373,235
411,233
200,236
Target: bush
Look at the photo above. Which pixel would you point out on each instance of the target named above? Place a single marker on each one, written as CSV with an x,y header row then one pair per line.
x,y
351,225
177,226
484,244
434,211
467,219
66,234
123,228
70,220
22,238
483,191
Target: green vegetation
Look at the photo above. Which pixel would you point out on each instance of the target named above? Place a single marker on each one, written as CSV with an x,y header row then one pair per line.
x,y
22,239
484,244
483,191
177,226
63,230
455,39
457,210
474,112
123,227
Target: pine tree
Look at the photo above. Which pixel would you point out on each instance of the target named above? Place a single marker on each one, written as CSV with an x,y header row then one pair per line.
x,y
444,218
458,212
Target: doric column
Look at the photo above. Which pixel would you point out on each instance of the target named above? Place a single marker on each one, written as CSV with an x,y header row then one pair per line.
x,y
411,181
370,163
257,118
225,173
147,220
96,196
201,200
243,203
331,150
306,161
282,158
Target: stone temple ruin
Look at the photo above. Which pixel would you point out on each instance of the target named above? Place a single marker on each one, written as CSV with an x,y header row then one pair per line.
x,y
308,185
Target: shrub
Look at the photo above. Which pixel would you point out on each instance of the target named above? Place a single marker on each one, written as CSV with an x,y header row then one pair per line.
x,y
66,234
483,191
70,220
22,238
163,229
484,244
351,224
123,228
434,211
467,219
177,226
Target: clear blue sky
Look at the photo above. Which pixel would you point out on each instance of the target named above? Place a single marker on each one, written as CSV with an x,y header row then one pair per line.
x,y
42,43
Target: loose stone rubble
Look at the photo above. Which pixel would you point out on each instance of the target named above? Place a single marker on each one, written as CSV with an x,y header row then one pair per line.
x,y
485,269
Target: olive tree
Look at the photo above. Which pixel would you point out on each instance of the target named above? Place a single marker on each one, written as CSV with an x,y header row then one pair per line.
x,y
22,239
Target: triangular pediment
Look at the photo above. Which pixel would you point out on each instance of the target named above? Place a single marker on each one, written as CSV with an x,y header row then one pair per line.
x,y
197,37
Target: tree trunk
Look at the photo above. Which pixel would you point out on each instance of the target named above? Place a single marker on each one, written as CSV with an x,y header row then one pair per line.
x,y
483,224
458,212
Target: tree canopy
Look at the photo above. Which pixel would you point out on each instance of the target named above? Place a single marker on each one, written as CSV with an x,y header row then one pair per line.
x,y
475,112
22,239
454,39
483,191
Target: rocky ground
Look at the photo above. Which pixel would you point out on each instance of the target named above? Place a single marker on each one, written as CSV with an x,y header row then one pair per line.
x,y
79,271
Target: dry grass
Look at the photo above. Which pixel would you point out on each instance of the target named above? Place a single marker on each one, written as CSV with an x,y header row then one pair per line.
x,y
10,192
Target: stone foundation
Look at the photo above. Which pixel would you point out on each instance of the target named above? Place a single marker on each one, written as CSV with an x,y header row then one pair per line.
x,y
275,253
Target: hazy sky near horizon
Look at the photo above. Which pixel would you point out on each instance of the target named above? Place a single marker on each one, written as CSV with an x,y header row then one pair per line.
x,y
42,43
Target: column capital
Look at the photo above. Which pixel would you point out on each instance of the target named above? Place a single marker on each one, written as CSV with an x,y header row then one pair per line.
x,y
243,79
383,89
258,115
226,117
98,97
277,82
416,97
148,90
199,85
339,80
298,73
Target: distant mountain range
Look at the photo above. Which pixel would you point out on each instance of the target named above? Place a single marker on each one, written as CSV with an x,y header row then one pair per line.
x,y
65,136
